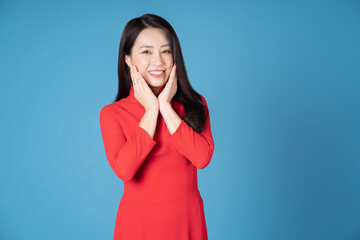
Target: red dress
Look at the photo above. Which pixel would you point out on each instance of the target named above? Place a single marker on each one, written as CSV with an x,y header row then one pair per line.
x,y
161,200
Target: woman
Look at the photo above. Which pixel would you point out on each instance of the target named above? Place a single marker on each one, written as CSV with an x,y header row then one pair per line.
x,y
156,135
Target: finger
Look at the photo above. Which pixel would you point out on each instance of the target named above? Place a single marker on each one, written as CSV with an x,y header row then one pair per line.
x,y
134,77
138,77
144,84
175,74
175,78
131,74
172,74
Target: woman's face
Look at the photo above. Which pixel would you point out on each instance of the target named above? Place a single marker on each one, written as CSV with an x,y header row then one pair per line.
x,y
152,54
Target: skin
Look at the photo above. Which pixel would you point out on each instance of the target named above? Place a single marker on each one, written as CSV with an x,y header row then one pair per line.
x,y
156,56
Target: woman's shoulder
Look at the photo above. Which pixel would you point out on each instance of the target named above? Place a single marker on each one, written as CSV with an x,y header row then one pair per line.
x,y
203,99
114,107
111,107
123,109
108,109
124,103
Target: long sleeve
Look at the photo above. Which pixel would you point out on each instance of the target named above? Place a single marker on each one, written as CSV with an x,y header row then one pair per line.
x,y
124,155
198,148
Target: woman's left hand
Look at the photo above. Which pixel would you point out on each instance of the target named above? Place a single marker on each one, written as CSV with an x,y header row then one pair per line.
x,y
170,88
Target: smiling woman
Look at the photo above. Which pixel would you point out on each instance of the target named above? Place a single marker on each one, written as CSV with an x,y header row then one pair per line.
x,y
156,136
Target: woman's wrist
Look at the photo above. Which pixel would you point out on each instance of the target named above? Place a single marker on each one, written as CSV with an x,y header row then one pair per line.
x,y
164,106
153,108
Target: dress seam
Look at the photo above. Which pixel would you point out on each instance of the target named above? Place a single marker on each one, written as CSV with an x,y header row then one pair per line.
x,y
142,218
187,200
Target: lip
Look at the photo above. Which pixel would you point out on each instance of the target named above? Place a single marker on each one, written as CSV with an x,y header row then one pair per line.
x,y
157,76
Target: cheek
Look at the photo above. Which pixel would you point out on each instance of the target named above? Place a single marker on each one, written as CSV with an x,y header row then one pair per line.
x,y
169,64
170,60
142,68
140,62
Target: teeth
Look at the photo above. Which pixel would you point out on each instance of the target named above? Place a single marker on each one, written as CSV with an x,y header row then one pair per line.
x,y
157,73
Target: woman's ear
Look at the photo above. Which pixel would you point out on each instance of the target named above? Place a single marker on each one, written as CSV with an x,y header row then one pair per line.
x,y
128,60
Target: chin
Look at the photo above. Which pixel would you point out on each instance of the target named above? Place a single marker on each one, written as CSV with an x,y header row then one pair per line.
x,y
156,83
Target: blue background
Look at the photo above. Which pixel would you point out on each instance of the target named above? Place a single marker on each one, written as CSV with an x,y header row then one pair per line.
x,y
281,79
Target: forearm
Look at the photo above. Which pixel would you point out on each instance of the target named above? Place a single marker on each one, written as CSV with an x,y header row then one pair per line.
x,y
171,118
198,148
124,153
149,120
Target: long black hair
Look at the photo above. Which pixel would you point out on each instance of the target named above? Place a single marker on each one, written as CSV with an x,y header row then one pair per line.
x,y
195,110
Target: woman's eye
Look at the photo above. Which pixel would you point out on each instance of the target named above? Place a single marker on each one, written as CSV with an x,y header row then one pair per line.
x,y
165,51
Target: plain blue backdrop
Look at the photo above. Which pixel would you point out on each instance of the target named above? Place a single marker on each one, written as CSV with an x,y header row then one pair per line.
x,y
281,79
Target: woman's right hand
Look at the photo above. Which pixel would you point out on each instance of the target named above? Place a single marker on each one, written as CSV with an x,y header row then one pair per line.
x,y
142,91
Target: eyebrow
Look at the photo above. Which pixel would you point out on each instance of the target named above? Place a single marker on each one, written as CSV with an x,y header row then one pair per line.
x,y
152,46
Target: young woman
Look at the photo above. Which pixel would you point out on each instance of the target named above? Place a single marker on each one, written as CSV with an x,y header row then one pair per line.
x,y
156,135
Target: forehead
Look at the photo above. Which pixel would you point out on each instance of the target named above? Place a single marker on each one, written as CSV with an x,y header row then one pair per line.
x,y
152,37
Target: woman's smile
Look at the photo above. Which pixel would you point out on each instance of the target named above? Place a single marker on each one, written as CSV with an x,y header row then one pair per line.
x,y
157,74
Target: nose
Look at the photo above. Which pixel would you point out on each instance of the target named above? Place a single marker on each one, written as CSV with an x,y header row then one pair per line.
x,y
157,59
